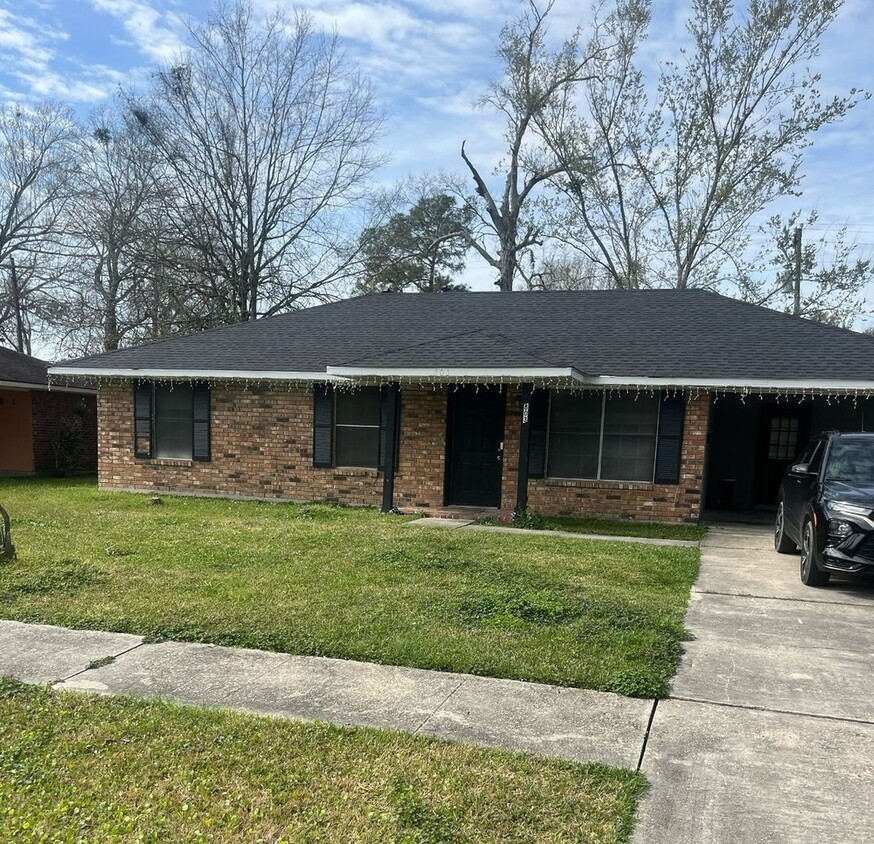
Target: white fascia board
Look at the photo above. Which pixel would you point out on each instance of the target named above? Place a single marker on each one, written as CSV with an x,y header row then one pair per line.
x,y
733,384
19,385
191,374
450,372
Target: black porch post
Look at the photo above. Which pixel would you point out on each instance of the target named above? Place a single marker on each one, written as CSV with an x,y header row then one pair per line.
x,y
391,444
524,428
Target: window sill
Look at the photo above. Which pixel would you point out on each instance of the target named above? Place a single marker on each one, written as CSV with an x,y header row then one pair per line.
x,y
355,471
593,484
166,461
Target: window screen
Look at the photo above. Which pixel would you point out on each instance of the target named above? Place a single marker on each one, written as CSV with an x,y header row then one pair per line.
x,y
356,428
173,421
599,437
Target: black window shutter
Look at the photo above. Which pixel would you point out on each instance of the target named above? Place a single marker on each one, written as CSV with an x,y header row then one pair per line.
x,y
538,418
323,425
143,419
384,422
200,422
669,450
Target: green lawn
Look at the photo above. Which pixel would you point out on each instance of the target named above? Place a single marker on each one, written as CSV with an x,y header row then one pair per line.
x,y
606,527
77,768
347,583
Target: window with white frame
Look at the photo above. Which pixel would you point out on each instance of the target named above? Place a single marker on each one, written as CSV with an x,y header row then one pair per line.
x,y
356,428
599,437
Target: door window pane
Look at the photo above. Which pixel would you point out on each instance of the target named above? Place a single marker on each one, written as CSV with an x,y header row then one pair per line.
x,y
783,439
173,421
356,431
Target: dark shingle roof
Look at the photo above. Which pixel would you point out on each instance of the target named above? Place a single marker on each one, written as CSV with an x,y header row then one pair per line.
x,y
22,369
649,333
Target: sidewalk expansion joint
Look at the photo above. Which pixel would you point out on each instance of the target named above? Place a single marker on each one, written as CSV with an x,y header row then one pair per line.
x,y
439,706
92,667
652,714
794,712
699,591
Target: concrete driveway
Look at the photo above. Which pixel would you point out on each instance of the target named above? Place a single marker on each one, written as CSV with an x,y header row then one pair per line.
x,y
768,735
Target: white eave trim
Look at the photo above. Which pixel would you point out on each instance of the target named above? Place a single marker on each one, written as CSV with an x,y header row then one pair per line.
x,y
448,373
793,385
20,385
190,374
482,374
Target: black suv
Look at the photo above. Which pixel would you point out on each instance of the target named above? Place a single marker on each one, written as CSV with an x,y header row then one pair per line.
x,y
827,507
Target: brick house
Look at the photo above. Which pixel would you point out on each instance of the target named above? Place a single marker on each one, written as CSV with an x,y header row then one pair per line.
x,y
634,404
43,430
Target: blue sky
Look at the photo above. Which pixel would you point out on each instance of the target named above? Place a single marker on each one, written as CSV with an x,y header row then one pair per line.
x,y
429,61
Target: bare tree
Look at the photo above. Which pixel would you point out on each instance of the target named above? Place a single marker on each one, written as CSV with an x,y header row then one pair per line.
x,y
536,81
561,269
36,166
269,134
607,207
115,217
677,183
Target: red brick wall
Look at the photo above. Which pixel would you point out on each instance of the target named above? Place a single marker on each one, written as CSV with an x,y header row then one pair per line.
x,y
262,441
51,411
626,500
262,446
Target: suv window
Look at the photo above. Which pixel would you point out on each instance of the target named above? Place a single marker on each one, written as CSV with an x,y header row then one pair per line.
x,y
814,459
807,455
851,460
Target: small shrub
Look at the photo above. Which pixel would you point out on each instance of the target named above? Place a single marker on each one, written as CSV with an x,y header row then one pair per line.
x,y
528,519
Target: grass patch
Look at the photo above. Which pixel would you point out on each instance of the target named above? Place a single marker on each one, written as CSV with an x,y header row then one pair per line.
x,y
347,583
84,768
605,527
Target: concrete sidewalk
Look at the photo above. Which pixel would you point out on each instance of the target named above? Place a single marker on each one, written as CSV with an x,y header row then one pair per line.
x,y
573,724
768,737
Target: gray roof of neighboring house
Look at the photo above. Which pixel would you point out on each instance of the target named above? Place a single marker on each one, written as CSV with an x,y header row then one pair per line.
x,y
682,335
22,369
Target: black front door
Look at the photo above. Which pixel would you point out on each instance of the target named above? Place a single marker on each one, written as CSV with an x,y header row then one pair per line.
x,y
476,440
784,432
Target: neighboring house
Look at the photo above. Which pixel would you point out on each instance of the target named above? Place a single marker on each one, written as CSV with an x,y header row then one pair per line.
x,y
43,430
638,404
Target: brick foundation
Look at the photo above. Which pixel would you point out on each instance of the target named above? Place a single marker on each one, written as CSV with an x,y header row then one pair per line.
x,y
262,447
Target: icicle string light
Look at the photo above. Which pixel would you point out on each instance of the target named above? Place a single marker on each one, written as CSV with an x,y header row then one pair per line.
x,y
441,382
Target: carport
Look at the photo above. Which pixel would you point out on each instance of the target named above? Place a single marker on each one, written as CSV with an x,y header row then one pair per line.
x,y
753,438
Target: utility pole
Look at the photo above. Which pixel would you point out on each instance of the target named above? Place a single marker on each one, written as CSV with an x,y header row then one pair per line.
x,y
796,243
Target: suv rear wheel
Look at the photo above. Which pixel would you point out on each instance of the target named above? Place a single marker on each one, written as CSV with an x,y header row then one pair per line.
x,y
782,543
810,574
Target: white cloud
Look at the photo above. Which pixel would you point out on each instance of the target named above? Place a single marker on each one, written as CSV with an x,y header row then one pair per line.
x,y
26,42
156,34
